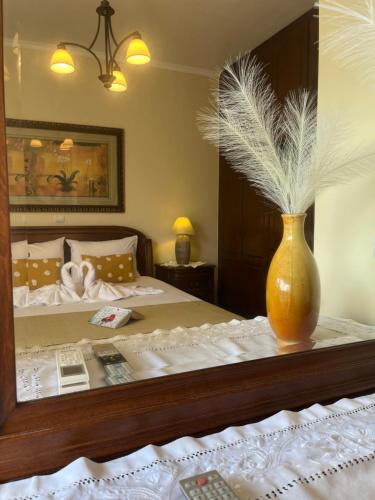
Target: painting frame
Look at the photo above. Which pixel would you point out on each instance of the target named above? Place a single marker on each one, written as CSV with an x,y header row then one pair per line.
x,y
116,138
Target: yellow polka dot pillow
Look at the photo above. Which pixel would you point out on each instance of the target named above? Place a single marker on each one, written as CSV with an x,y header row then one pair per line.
x,y
19,272
113,268
43,272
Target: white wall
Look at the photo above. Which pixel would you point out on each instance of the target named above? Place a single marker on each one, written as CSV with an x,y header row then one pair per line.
x,y
345,216
169,169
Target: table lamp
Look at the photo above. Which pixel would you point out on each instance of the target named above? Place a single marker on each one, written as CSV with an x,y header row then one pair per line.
x,y
183,228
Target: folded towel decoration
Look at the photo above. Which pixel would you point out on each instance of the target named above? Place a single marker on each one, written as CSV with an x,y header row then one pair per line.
x,y
76,287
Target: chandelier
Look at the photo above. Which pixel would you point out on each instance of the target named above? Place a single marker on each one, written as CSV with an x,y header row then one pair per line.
x,y
110,73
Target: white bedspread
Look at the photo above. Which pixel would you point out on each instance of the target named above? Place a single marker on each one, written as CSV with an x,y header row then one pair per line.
x,y
318,453
165,352
169,294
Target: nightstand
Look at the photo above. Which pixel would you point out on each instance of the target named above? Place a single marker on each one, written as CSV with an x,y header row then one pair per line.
x,y
198,281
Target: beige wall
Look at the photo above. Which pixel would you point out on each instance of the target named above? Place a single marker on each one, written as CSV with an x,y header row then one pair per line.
x,y
345,216
169,170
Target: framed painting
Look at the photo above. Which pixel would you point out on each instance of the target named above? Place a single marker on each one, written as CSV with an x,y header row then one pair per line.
x,y
59,167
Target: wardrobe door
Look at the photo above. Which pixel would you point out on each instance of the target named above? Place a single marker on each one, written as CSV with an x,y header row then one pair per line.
x,y
250,228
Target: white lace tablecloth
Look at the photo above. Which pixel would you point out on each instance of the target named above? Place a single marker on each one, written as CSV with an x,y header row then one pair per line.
x,y
318,453
165,352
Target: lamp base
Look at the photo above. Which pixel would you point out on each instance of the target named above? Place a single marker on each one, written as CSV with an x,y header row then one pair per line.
x,y
182,249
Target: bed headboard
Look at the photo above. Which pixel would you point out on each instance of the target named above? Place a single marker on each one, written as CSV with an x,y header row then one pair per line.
x,y
89,233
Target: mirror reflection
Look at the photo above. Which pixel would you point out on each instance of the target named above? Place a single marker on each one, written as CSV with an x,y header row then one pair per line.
x,y
110,174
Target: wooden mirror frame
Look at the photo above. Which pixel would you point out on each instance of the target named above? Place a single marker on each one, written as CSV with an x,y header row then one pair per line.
x,y
43,435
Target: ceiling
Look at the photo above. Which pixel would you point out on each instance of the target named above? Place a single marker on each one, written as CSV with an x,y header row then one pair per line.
x,y
198,33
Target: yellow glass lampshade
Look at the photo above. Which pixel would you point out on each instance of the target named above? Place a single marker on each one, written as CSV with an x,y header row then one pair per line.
x,y
62,62
120,83
182,225
138,52
36,143
68,143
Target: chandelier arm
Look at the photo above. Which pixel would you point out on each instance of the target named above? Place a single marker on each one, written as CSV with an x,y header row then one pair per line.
x,y
135,34
96,34
88,50
108,49
112,34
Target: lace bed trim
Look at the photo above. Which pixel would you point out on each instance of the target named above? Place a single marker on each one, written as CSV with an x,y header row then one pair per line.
x,y
272,494
330,471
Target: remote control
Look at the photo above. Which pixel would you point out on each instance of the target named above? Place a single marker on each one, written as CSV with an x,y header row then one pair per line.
x,y
207,486
72,372
117,368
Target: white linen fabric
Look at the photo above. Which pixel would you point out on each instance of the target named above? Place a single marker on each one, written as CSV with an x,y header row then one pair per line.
x,y
103,248
60,295
165,352
173,263
323,452
53,249
170,295
20,250
49,295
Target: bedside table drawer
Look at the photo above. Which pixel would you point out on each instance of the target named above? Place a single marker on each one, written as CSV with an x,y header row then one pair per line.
x,y
195,281
192,282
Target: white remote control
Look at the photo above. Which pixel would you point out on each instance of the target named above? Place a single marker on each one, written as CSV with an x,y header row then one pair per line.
x,y
72,372
209,485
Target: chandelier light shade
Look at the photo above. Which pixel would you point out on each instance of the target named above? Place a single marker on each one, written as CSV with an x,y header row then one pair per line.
x,y
36,143
110,73
67,144
138,52
119,84
62,61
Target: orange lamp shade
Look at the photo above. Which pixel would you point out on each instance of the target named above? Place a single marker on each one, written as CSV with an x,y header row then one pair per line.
x,y
62,62
138,52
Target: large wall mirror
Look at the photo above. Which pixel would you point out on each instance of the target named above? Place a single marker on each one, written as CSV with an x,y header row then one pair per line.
x,y
98,169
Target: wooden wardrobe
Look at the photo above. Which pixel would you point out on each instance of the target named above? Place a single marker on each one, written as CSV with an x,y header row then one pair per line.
x,y
250,229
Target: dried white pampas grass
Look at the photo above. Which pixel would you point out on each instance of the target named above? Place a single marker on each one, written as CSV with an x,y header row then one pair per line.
x,y
277,148
351,37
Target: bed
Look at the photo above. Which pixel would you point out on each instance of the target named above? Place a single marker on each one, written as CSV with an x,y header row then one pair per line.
x,y
320,452
158,314
40,329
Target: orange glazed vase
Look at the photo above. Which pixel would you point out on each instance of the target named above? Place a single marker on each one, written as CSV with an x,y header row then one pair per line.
x,y
293,284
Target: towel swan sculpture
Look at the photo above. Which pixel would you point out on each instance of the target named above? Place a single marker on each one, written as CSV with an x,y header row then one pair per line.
x,y
76,287
73,277
91,289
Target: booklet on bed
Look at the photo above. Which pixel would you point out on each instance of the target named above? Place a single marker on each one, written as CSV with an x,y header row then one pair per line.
x,y
114,317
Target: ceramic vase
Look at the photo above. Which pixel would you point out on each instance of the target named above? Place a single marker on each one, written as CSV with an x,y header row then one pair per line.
x,y
293,284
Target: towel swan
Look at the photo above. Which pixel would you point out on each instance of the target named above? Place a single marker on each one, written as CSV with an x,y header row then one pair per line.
x,y
99,290
76,287
87,286
71,280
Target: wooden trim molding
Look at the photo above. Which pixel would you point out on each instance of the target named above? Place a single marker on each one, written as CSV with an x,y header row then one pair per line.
x,y
7,360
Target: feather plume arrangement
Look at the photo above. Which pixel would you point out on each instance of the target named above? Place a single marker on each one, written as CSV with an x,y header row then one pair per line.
x,y
351,40
275,147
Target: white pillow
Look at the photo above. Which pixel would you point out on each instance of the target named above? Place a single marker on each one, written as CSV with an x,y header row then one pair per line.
x,y
20,250
53,249
103,248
